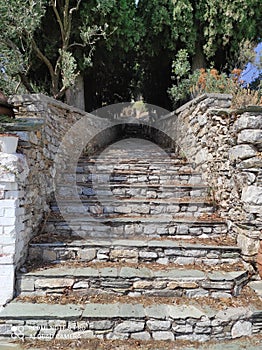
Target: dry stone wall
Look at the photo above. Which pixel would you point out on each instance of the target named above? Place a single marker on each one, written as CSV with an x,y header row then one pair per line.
x,y
26,178
225,145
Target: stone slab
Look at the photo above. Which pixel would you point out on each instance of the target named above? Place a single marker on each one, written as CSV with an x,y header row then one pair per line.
x,y
40,311
114,311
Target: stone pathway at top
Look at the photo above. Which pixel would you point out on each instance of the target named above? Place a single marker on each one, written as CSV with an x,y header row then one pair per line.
x,y
142,254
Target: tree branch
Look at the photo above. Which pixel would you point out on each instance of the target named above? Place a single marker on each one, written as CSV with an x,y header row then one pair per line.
x,y
76,44
66,15
26,82
46,61
58,20
76,8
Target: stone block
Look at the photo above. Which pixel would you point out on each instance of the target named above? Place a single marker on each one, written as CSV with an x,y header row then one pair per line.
x,y
181,284
114,310
163,335
101,325
117,336
81,285
247,121
123,253
156,325
182,328
248,245
182,230
49,255
87,254
141,336
30,310
241,328
148,255
54,283
149,284
242,152
253,136
130,327
252,195
84,334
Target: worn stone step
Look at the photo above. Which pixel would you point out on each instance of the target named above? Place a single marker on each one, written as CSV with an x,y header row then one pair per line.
x,y
137,206
127,226
137,189
153,191
134,168
132,280
144,179
139,250
142,160
124,320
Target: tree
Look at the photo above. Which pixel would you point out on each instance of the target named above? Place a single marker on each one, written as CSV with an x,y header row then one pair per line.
x,y
42,33
156,50
112,76
212,31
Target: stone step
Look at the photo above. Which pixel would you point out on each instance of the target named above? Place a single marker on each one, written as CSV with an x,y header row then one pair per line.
x,y
139,250
132,280
136,206
153,191
125,189
138,159
135,168
138,172
144,179
127,226
125,320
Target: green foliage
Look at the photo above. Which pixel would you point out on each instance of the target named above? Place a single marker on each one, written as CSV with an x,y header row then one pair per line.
x,y
45,31
122,48
181,74
211,81
19,20
217,25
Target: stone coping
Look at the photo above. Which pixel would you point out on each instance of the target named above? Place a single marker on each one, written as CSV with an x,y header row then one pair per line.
x,y
25,124
18,310
166,201
194,221
169,244
149,186
136,272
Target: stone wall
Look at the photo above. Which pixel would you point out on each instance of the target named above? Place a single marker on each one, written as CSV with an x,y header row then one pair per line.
x,y
13,172
26,178
225,145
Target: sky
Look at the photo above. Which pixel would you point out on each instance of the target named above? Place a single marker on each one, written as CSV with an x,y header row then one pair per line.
x,y
252,72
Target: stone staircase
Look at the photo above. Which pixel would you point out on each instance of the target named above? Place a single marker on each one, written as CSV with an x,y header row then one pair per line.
x,y
148,259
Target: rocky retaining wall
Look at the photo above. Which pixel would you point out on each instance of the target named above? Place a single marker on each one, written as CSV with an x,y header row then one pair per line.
x,y
225,145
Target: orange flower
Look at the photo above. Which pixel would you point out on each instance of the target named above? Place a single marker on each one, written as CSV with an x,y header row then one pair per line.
x,y
237,72
214,73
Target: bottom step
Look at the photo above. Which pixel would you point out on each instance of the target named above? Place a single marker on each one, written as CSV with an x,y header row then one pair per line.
x,y
125,320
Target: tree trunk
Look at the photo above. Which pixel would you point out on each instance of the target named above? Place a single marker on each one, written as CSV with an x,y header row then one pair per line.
x,y
75,95
198,60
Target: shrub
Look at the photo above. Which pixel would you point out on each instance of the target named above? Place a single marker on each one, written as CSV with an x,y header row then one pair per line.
x,y
211,81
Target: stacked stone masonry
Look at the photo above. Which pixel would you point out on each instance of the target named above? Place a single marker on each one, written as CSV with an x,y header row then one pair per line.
x,y
125,321
225,145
